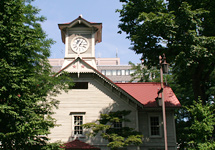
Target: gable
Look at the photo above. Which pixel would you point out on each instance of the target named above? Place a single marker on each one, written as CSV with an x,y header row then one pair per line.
x,y
79,68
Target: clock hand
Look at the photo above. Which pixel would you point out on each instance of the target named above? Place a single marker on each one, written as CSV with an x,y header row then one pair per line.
x,y
79,43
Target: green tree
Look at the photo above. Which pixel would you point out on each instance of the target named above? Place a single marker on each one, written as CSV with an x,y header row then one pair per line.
x,y
26,82
201,132
182,29
117,137
142,73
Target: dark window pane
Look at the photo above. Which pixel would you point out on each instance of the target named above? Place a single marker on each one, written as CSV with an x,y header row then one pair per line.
x,y
118,125
78,121
155,128
80,85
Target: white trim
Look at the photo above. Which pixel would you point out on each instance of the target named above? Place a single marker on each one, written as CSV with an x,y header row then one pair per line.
x,y
79,22
93,45
137,121
66,44
174,126
80,31
73,114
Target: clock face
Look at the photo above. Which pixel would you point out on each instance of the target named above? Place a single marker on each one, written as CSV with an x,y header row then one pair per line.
x,y
79,44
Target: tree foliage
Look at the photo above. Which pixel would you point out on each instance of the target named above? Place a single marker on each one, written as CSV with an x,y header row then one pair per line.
x,y
182,29
185,31
26,79
201,132
142,73
117,137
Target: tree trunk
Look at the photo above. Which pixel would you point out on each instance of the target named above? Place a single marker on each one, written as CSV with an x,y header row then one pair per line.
x,y
198,84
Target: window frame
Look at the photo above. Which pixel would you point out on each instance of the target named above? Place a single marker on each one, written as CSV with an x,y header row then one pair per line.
x,y
103,72
150,127
127,72
73,115
118,72
114,72
123,72
132,71
115,124
108,72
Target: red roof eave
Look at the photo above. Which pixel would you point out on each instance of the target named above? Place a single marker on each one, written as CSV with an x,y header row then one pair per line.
x,y
146,93
77,144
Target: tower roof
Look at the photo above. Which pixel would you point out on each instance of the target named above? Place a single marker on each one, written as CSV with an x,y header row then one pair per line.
x,y
97,27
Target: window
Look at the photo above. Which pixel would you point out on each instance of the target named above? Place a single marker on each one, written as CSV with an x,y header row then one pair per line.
x,y
123,72
127,72
77,121
80,85
154,126
113,72
118,72
108,72
132,71
118,125
104,72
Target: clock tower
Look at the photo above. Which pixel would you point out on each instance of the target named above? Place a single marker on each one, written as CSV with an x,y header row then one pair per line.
x,y
80,37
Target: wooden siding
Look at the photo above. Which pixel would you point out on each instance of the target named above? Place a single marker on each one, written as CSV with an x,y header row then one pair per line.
x,y
150,142
97,99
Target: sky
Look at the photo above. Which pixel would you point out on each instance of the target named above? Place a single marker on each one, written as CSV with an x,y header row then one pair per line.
x,y
101,11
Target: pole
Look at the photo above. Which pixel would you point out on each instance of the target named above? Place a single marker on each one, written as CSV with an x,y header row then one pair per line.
x,y
163,104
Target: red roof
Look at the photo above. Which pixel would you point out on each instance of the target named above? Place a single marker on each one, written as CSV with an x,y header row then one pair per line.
x,y
78,145
146,93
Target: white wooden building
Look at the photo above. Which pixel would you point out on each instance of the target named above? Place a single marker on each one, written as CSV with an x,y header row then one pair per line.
x,y
94,94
